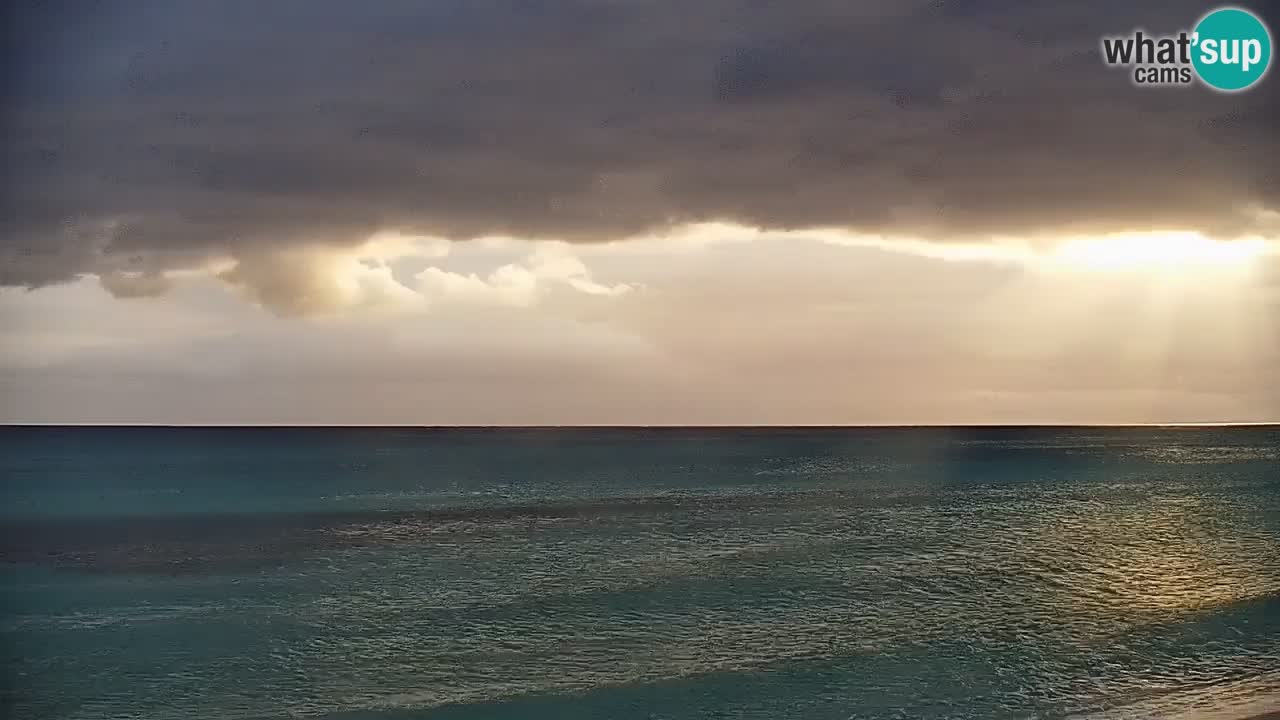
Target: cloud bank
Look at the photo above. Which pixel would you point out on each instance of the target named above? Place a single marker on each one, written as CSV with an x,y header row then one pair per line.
x,y
256,141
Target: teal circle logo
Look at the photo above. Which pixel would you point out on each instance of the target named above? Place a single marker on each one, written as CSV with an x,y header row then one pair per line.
x,y
1231,49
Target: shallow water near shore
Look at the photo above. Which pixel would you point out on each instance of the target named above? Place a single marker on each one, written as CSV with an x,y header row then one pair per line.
x,y
810,573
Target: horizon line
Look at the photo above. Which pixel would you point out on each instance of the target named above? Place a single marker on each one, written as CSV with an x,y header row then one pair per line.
x,y
624,426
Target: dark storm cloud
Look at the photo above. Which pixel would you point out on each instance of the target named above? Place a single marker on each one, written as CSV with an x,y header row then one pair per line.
x,y
142,137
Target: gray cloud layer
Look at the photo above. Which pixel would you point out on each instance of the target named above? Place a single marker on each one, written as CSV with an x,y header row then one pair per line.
x,y
151,136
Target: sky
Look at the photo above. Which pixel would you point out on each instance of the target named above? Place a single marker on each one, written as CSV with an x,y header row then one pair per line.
x,y
628,212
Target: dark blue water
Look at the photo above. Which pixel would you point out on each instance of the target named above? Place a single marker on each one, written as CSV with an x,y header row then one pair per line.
x,y
390,573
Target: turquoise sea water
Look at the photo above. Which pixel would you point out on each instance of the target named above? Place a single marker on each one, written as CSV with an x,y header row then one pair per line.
x,y
808,573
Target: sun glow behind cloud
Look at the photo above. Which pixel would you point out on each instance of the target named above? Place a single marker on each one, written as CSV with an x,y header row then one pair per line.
x,y
1159,251
321,279
1135,252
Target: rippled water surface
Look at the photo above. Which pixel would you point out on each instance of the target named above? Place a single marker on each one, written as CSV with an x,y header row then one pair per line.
x,y
370,573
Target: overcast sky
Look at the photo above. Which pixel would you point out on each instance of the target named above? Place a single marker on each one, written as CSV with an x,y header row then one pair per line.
x,y
607,211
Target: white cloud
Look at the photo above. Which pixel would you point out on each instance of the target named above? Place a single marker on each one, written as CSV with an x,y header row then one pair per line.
x,y
548,268
779,327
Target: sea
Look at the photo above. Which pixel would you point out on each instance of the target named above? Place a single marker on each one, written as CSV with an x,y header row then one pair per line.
x,y
658,573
